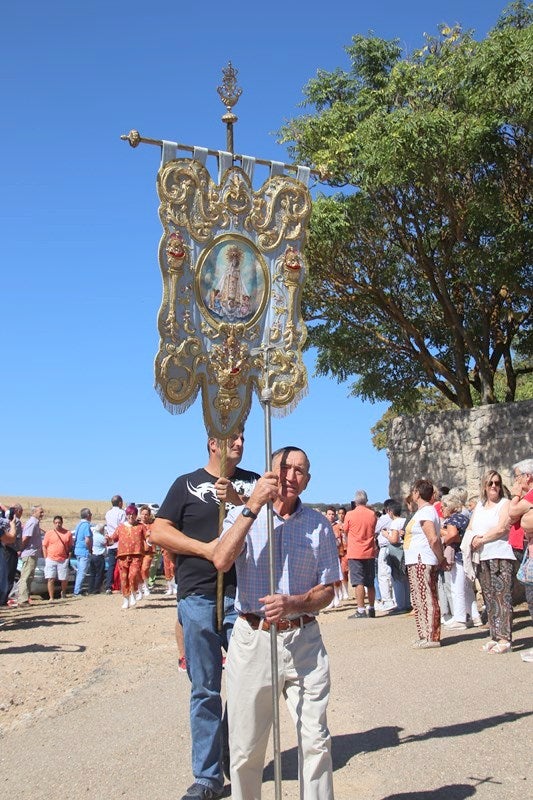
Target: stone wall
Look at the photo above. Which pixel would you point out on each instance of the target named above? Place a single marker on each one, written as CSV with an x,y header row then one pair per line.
x,y
456,447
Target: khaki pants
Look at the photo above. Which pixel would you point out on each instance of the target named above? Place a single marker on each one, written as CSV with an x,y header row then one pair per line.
x,y
303,671
29,564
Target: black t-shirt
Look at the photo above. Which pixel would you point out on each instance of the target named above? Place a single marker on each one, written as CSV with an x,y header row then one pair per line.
x,y
192,505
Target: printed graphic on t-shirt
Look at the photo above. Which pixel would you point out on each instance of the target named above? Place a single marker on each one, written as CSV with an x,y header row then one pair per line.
x,y
205,490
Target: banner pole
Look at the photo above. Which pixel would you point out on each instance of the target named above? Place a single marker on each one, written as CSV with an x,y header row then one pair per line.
x,y
223,445
266,396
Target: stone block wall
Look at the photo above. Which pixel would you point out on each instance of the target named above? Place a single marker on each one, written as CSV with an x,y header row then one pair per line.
x,y
456,447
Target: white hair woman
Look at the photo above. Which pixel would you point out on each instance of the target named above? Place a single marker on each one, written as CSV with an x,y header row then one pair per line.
x,y
452,531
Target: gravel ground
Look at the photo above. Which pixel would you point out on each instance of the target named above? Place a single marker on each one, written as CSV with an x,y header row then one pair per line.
x,y
92,706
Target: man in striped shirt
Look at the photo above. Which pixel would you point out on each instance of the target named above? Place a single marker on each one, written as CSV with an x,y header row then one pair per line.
x,y
306,567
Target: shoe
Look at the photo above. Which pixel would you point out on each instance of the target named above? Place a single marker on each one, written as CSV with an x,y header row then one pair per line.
x,y
146,591
527,656
12,603
477,622
371,613
358,615
133,601
125,604
182,664
487,647
500,648
425,644
200,792
388,605
109,591
455,625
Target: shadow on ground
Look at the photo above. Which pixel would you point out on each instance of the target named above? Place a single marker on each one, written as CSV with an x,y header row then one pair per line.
x,y
346,746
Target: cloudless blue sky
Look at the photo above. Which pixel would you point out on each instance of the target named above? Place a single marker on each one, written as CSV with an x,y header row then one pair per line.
x,y
81,285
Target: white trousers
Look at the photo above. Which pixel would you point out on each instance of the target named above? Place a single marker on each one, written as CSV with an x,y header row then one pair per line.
x,y
463,597
384,576
303,675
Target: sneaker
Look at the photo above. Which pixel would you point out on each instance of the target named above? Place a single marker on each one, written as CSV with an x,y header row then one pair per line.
x,y
133,601
455,625
371,613
527,656
388,605
200,792
359,615
477,622
109,591
182,664
425,644
139,595
125,604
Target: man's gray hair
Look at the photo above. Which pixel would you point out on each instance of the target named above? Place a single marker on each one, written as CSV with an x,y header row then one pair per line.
x,y
361,497
525,466
34,509
85,513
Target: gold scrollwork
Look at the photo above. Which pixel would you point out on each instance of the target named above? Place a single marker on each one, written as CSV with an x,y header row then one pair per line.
x,y
280,211
189,199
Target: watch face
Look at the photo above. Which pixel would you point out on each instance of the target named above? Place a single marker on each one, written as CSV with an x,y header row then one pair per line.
x,y
246,512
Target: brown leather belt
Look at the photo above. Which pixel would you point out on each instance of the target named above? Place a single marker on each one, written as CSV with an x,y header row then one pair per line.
x,y
256,622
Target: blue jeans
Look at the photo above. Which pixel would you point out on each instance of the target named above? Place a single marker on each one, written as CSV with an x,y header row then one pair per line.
x,y
96,573
111,561
203,641
83,566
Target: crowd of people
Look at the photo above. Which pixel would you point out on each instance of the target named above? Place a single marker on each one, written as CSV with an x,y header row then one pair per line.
x,y
115,556
448,559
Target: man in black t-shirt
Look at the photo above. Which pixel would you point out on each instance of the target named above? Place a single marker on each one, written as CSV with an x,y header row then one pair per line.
x,y
187,524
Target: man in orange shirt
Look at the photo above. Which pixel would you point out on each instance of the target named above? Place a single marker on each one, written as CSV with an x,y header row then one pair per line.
x,y
57,545
359,527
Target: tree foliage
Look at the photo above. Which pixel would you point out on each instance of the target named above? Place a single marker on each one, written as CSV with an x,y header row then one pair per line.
x,y
420,261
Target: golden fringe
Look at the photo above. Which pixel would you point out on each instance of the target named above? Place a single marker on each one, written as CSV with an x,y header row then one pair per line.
x,y
285,410
176,408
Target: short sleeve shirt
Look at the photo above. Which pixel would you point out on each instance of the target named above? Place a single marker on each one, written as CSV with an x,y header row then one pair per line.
x,y
193,507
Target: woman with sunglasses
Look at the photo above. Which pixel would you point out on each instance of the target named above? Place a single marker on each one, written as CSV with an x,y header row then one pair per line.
x,y
490,526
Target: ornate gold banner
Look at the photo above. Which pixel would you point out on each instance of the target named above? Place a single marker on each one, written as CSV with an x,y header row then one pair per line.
x,y
233,274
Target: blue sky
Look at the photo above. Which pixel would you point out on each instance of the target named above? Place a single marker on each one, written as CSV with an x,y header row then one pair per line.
x,y
81,285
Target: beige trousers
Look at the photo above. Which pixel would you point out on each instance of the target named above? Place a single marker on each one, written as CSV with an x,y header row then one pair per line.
x,y
26,576
303,671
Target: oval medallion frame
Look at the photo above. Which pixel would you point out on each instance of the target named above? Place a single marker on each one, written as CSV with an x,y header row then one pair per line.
x,y
232,281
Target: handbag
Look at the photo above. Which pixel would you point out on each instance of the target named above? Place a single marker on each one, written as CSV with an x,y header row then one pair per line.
x,y
525,570
396,559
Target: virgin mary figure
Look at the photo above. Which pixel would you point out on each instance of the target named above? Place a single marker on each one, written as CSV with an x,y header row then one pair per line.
x,y
230,298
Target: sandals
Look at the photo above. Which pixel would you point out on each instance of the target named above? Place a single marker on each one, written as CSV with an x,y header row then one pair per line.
x,y
500,648
487,647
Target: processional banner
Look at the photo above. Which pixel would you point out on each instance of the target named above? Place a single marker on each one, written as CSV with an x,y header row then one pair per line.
x,y
233,272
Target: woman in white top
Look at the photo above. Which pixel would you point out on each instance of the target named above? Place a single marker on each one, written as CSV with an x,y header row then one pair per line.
x,y
424,557
490,526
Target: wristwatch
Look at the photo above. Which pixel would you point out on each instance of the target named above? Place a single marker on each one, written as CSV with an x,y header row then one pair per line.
x,y
247,512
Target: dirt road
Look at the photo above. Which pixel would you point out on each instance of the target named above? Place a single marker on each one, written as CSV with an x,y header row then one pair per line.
x,y
92,706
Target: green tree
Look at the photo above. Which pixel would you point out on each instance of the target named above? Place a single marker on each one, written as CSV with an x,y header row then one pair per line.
x,y
420,280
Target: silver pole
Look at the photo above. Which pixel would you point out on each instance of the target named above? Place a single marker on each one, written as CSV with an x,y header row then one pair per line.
x,y
266,395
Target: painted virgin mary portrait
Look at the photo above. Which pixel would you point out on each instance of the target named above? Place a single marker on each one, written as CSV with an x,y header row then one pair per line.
x,y
232,281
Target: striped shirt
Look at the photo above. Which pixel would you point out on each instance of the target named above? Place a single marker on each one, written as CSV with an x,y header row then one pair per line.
x,y
305,555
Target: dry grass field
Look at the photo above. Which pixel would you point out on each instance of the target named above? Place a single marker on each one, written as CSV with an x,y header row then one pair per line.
x,y
66,506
